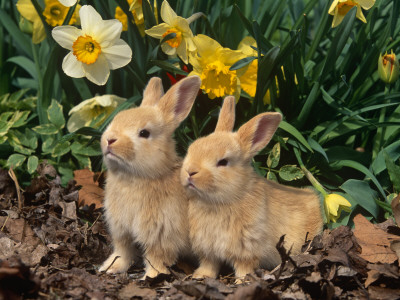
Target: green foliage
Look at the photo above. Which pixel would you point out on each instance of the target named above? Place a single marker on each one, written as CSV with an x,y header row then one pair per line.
x,y
339,117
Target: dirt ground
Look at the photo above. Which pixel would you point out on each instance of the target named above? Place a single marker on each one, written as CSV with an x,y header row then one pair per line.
x,y
52,243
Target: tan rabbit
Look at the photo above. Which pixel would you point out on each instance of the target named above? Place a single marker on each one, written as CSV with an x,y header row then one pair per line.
x,y
235,215
145,203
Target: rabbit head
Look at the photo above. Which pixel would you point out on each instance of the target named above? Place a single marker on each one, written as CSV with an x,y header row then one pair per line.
x,y
139,140
216,166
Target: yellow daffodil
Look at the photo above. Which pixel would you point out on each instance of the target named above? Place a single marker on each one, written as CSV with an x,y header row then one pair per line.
x,y
28,11
135,6
340,8
54,13
95,49
248,81
334,204
68,3
92,112
182,44
212,62
388,67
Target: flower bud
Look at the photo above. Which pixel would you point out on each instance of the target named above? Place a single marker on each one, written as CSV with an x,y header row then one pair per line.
x,y
25,26
388,67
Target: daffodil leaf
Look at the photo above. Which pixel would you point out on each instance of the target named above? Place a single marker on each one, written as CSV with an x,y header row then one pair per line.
x,y
55,114
26,64
32,164
393,151
21,39
294,132
168,67
290,173
148,15
317,147
242,63
168,37
15,160
361,192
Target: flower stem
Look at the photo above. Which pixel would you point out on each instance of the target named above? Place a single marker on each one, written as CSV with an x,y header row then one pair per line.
x,y
380,133
308,174
39,105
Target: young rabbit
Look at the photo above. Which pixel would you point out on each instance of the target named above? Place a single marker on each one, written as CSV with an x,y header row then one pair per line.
x,y
145,204
235,215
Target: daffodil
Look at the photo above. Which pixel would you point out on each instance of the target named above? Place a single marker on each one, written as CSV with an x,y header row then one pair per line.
x,y
54,14
334,204
92,112
68,3
388,67
181,43
340,8
95,49
248,81
212,62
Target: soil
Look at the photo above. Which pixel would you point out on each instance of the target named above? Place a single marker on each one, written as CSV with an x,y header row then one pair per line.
x,y
52,243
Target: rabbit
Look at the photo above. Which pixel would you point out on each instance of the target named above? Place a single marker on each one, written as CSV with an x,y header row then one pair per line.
x,y
235,215
145,204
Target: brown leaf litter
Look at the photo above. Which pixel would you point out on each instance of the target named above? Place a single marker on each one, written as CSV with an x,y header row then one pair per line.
x,y
52,247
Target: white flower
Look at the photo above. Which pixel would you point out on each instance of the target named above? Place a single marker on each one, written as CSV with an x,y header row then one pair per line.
x,y
67,3
92,112
95,49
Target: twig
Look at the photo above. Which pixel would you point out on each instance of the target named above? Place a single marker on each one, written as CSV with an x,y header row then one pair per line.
x,y
2,227
94,222
14,178
115,258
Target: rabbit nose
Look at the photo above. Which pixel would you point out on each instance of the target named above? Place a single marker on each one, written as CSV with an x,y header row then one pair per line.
x,y
111,141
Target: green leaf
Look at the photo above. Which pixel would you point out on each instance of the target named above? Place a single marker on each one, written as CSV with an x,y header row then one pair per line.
x,y
317,147
359,167
55,114
19,118
168,67
242,63
272,176
83,160
15,160
32,164
274,156
362,193
46,129
393,170
61,149
294,132
168,37
26,64
86,150
48,144
20,38
393,151
290,173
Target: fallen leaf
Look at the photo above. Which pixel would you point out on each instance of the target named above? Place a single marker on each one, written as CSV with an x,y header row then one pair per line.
x,y
91,192
396,209
254,291
133,290
375,243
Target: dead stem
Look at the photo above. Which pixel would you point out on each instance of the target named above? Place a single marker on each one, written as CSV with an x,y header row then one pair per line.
x,y
18,188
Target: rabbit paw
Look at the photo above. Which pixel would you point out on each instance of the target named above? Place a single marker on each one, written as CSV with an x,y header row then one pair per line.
x,y
201,273
152,273
115,265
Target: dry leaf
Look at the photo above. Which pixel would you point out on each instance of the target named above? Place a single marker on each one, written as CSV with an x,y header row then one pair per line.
x,y
90,193
396,209
375,243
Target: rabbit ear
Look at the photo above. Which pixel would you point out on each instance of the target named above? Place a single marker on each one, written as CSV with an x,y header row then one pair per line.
x,y
178,100
256,133
153,92
226,119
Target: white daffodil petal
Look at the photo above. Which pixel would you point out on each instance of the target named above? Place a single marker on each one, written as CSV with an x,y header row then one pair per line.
x,y
182,52
118,55
167,13
158,30
90,19
167,49
81,105
107,32
76,121
67,3
66,35
72,67
97,72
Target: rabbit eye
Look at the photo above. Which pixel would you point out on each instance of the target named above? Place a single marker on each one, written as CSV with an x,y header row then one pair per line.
x,y
144,133
222,163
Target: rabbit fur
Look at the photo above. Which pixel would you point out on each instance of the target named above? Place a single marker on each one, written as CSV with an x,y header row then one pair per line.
x,y
235,215
145,204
